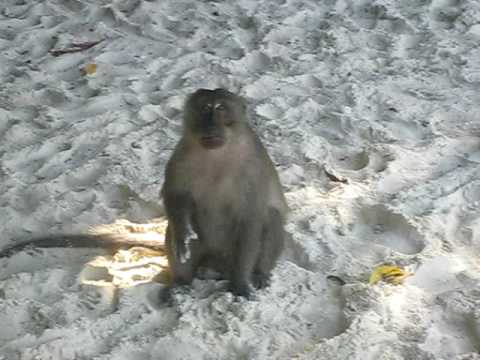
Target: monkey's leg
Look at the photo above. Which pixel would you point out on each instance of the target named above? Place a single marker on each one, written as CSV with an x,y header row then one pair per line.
x,y
245,253
271,247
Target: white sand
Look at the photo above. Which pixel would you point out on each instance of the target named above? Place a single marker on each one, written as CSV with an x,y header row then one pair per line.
x,y
385,94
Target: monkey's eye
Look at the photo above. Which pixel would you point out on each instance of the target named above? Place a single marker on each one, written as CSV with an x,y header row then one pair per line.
x,y
207,107
220,107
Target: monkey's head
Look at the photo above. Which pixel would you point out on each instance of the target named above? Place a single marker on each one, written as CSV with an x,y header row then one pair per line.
x,y
212,115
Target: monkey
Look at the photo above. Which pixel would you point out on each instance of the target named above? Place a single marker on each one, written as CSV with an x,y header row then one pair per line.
x,y
223,198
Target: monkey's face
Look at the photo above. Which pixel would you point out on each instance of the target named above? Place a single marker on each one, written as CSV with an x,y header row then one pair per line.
x,y
212,115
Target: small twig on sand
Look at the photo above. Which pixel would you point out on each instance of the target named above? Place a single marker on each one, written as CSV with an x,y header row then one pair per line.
x,y
76,47
334,177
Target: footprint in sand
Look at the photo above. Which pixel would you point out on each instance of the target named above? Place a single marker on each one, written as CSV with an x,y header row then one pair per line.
x,y
471,194
467,231
376,224
474,154
444,13
382,226
315,312
368,15
316,306
296,252
328,308
374,16
333,129
359,164
85,176
454,124
354,161
455,324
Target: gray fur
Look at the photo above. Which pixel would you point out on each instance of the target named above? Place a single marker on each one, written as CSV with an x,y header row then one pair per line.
x,y
221,183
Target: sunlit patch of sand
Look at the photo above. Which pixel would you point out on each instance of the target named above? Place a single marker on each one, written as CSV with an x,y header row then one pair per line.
x,y
133,266
152,231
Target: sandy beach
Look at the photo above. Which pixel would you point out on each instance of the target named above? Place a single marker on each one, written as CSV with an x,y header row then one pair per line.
x,y
370,111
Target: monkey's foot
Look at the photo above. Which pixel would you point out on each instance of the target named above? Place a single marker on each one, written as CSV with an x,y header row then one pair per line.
x,y
260,280
242,290
182,277
165,296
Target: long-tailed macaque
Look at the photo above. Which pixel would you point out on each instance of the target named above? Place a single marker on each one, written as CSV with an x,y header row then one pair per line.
x,y
224,202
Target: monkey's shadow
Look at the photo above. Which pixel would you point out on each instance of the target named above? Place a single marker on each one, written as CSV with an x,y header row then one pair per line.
x,y
107,270
126,267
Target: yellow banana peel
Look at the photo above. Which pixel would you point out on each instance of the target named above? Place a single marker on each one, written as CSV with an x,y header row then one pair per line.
x,y
90,69
389,273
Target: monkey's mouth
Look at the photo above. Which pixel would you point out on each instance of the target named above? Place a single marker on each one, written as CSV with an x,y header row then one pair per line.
x,y
211,141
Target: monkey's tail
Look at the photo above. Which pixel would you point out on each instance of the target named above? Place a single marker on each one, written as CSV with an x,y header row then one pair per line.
x,y
112,242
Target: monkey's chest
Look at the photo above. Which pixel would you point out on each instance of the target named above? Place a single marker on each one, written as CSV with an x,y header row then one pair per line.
x,y
219,206
214,189
220,192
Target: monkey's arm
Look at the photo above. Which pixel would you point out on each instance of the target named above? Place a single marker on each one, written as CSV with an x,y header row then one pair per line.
x,y
182,255
111,242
